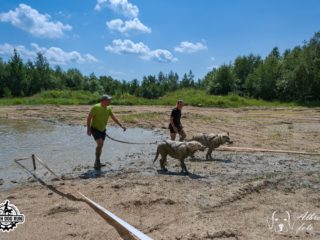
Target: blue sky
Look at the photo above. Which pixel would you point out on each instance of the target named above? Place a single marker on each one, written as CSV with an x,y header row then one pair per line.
x,y
128,39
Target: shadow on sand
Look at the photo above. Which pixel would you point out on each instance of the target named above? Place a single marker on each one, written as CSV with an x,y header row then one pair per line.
x,y
196,159
91,173
190,175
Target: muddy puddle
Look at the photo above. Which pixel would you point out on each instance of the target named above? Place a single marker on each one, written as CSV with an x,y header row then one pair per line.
x,y
66,149
69,152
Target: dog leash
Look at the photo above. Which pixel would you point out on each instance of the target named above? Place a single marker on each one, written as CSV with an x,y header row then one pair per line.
x,y
126,142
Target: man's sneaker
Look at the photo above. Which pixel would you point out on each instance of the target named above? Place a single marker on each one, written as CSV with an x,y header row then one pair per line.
x,y
98,165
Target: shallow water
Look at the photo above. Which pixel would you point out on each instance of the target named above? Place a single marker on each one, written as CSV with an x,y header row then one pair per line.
x,y
66,149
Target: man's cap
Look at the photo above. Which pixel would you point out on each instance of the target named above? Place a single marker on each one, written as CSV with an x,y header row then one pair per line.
x,y
105,97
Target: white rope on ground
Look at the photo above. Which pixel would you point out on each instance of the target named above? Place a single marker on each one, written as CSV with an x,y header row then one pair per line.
x,y
126,227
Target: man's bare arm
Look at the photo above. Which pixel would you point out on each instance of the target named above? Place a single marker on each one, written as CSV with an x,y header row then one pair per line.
x,y
89,119
115,119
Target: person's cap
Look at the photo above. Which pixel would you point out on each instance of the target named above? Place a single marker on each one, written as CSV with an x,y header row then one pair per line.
x,y
106,97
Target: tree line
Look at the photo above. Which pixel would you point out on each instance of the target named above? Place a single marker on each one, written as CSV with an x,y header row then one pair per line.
x,y
291,76
19,79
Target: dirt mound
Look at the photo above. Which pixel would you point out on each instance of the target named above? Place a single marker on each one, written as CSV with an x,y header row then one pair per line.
x,y
62,209
147,203
225,234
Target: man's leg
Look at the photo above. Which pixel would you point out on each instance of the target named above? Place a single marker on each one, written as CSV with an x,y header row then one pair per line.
x,y
173,136
183,135
97,164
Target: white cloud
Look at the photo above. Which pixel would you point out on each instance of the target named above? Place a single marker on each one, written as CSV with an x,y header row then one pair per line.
x,y
161,55
189,47
7,50
54,55
120,6
30,20
58,56
128,47
90,58
127,9
123,27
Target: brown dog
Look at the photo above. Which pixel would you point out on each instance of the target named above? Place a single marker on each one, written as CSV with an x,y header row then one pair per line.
x,y
178,150
212,141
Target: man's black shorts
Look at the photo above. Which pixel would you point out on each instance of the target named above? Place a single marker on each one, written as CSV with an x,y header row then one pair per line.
x,y
98,134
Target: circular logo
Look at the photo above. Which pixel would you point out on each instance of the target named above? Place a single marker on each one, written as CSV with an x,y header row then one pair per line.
x,y
9,216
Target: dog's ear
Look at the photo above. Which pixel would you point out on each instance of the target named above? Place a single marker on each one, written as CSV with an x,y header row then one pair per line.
x,y
271,223
290,222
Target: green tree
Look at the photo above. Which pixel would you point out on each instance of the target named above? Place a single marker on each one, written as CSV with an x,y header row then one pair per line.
x,y
94,85
134,87
27,81
271,73
60,78
173,81
42,72
262,83
221,81
243,66
149,87
125,86
187,80
16,75
163,83
74,79
110,85
288,85
312,60
3,79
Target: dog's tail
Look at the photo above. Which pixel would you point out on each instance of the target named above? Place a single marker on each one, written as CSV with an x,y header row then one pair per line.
x,y
157,155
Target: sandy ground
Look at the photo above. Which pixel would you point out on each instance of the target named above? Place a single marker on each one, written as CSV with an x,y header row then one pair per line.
x,y
232,197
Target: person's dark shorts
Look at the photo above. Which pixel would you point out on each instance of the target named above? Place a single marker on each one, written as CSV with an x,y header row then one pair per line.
x,y
98,134
172,130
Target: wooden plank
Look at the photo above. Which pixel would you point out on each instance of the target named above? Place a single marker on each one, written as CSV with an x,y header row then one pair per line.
x,y
243,149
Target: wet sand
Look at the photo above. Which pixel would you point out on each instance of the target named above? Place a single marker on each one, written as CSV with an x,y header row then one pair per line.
x,y
232,197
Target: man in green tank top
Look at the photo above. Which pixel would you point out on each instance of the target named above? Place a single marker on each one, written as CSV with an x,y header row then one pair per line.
x,y
96,125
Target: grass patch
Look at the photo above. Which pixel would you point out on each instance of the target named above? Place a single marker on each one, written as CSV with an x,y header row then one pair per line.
x,y
137,117
55,97
191,97
199,98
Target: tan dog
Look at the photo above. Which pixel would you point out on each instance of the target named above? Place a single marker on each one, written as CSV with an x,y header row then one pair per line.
x,y
212,141
178,150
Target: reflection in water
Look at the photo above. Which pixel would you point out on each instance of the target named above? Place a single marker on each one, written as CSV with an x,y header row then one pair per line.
x,y
65,148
